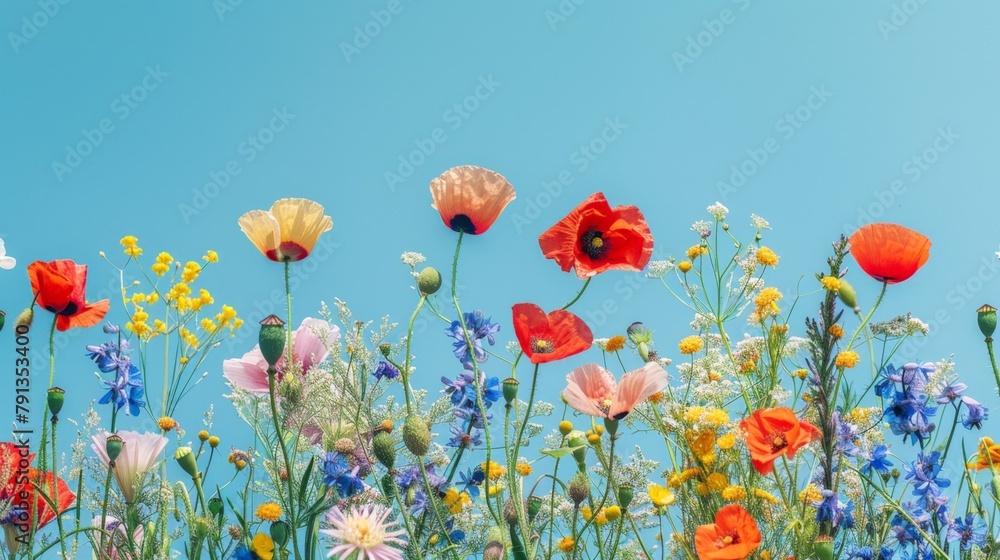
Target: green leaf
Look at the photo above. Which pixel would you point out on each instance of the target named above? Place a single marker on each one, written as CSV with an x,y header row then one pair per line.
x,y
561,452
304,483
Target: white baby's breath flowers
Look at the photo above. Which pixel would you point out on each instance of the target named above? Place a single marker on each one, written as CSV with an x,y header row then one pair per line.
x,y
412,259
513,347
702,228
602,343
758,222
702,321
915,325
658,268
718,211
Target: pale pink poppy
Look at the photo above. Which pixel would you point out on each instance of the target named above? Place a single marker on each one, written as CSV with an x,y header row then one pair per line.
x,y
140,453
308,349
592,389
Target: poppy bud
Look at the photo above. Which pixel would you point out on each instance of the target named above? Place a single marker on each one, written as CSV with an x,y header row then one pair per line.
x,y
987,320
578,442
185,458
612,426
848,295
416,435
895,473
384,449
56,397
385,348
272,339
510,389
24,319
638,333
3,317
625,495
113,446
579,488
493,551
429,281
108,328
823,547
280,531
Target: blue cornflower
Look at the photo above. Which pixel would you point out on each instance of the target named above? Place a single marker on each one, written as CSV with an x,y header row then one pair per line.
x,y
385,370
847,437
479,327
877,461
461,439
968,532
831,509
337,472
860,553
242,553
473,416
977,413
471,481
925,473
909,416
950,392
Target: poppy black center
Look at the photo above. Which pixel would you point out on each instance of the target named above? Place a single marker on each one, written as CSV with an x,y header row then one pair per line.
x,y
778,441
593,244
462,223
69,310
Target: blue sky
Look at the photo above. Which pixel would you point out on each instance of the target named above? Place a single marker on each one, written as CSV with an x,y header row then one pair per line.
x,y
168,121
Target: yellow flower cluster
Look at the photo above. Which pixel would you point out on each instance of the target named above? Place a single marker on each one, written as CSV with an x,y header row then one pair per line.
x,y
614,344
734,493
456,501
523,469
712,416
604,516
696,251
766,256
831,283
766,302
268,511
131,244
810,494
494,470
690,344
567,544
847,359
836,331
661,496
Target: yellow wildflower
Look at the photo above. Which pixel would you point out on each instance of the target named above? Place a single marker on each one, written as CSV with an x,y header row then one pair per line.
x,y
766,496
766,256
567,544
689,474
836,331
152,298
701,489
210,256
690,344
494,470
660,496
159,268
727,441
130,242
714,376
716,417
586,513
613,513
831,283
766,302
748,366
655,397
847,359
523,469
696,251
810,494
166,423
717,482
734,493
615,343
190,272
684,266
601,518
138,298
268,511
801,373
208,325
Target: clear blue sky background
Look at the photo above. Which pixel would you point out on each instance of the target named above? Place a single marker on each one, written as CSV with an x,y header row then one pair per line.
x,y
694,90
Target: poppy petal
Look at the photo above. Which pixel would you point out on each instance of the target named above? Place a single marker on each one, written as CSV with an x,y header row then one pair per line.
x,y
889,253
470,198
262,230
300,223
637,386
588,386
88,316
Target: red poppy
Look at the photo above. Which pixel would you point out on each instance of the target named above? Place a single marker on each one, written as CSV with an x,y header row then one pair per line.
x,y
23,489
547,338
889,253
773,432
733,536
59,287
595,237
470,198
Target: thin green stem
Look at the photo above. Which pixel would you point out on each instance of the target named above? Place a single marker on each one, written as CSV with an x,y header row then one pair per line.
x,y
579,294
271,373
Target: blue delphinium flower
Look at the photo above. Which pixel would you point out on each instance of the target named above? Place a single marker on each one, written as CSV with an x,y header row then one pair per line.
x,y
337,472
975,415
950,392
385,370
926,475
125,390
831,509
471,481
479,327
860,553
969,531
847,437
877,461
459,437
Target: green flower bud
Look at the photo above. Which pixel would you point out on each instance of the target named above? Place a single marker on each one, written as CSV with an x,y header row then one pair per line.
x,y
579,488
643,349
612,426
848,295
429,281
625,495
493,551
895,473
510,389
384,449
201,527
579,442
23,321
385,348
987,320
823,548
280,531
113,446
3,317
416,435
638,333
272,339
185,458
215,506
534,506
56,397
388,486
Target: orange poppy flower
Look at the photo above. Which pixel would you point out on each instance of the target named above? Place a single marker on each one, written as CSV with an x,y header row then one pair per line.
x,y
470,198
289,231
987,457
733,536
59,286
889,253
773,432
547,338
20,486
595,237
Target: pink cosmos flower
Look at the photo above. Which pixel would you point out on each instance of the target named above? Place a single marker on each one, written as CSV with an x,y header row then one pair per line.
x,y
308,349
364,533
592,389
118,545
140,453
